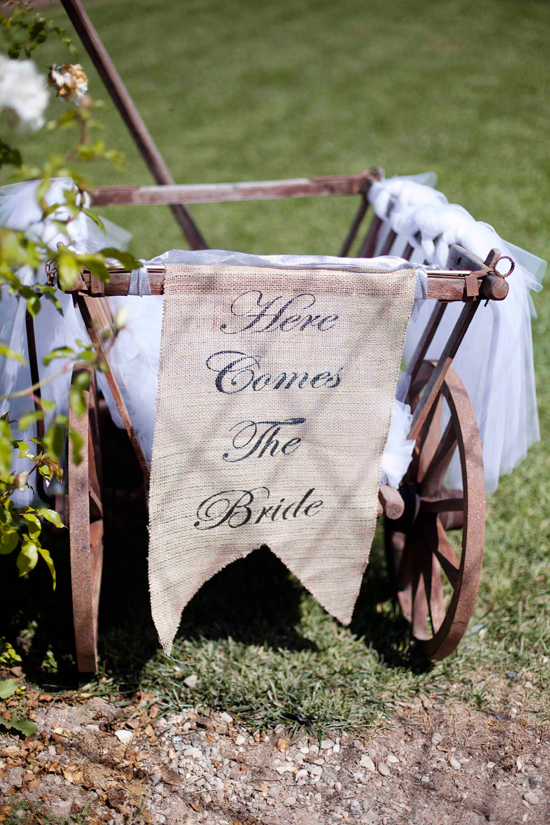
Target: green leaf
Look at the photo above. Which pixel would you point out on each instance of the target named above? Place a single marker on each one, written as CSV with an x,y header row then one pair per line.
x,y
68,268
30,418
58,352
95,218
33,305
79,386
51,516
77,442
34,526
9,155
54,440
27,558
128,261
9,539
24,726
5,454
49,561
23,448
11,353
99,270
8,688
42,191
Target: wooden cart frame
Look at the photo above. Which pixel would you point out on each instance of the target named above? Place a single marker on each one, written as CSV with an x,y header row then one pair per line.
x,y
435,585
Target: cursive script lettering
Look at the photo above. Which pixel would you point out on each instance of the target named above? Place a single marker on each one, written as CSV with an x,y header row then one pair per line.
x,y
236,371
235,508
260,314
260,437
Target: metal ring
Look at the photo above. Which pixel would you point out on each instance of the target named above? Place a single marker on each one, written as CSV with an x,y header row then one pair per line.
x,y
512,266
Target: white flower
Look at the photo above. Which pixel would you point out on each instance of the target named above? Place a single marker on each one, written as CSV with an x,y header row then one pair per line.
x,y
70,81
23,89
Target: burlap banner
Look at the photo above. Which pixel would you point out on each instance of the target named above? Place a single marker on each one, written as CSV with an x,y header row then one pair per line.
x,y
275,395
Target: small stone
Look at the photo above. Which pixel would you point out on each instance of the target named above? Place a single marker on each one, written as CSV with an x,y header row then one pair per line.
x,y
370,818
366,762
383,769
316,770
195,753
289,801
531,798
156,778
358,744
302,774
392,759
338,786
326,744
490,765
240,740
191,681
15,777
336,748
226,717
125,736
436,738
425,779
372,752
454,763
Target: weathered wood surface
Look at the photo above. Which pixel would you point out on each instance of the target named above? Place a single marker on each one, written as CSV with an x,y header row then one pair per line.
x,y
451,347
228,192
446,286
86,527
420,555
130,114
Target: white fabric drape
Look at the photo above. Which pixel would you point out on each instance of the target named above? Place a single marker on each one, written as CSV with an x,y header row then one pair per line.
x,y
495,359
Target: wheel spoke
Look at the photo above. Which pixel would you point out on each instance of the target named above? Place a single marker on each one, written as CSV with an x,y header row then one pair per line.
x,y
431,571
403,575
420,599
430,441
442,505
447,556
437,470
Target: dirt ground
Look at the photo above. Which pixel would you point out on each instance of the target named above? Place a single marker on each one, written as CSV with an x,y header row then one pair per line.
x,y
439,765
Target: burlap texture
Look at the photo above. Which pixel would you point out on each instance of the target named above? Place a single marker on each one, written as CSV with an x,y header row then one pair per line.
x,y
275,396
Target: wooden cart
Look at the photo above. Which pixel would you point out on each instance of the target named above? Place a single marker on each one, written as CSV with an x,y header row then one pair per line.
x,y
435,578
435,571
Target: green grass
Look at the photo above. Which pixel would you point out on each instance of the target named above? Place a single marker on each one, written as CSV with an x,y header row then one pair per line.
x,y
248,91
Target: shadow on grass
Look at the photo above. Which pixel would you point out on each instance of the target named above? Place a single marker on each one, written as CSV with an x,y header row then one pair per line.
x,y
254,601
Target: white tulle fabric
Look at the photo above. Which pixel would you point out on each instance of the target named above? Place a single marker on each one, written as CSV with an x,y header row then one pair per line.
x,y
19,210
495,359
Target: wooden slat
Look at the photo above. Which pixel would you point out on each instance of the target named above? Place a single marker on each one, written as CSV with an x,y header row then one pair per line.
x,y
448,287
369,244
426,339
86,305
128,110
230,192
438,375
354,228
391,501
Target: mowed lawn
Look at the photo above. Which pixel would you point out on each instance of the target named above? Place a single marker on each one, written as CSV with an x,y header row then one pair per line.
x,y
250,91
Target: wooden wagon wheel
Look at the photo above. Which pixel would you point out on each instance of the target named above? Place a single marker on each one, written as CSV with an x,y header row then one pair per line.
x,y
417,545
86,526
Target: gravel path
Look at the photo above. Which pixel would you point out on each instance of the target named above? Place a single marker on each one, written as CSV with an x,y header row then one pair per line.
x,y
440,765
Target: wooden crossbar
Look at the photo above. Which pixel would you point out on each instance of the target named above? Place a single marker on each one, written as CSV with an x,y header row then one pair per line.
x,y
226,192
